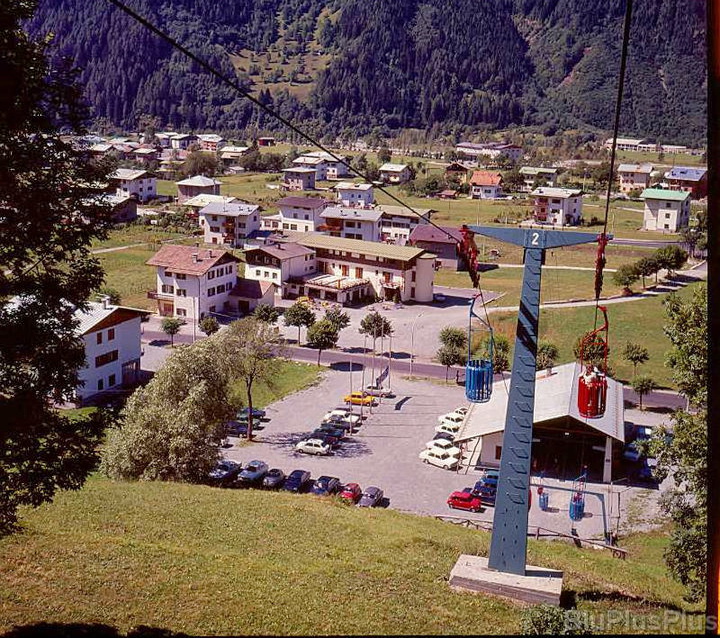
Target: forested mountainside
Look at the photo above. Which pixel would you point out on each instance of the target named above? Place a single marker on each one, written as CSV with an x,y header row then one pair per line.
x,y
356,66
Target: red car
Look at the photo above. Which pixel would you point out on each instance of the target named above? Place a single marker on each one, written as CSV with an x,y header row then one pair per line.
x,y
465,501
351,492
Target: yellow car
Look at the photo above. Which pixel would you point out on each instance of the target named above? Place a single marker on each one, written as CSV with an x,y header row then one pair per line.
x,y
359,398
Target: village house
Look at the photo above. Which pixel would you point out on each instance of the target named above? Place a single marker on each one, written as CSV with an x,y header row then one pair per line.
x,y
138,184
164,138
182,141
199,202
489,151
211,142
486,185
354,223
197,185
665,210
124,207
229,223
296,214
192,282
111,336
145,155
351,194
441,241
100,149
279,262
689,180
248,294
231,155
457,172
325,165
397,273
398,222
557,206
266,141
394,173
534,176
634,176
298,178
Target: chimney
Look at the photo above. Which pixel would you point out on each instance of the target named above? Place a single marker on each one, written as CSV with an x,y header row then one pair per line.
x,y
195,258
209,252
105,299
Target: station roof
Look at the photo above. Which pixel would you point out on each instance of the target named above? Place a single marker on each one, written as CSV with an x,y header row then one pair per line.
x,y
377,249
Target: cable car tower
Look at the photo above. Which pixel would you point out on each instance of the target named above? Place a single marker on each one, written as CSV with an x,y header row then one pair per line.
x,y
508,547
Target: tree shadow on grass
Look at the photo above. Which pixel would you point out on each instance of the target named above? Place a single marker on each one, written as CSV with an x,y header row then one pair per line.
x,y
89,630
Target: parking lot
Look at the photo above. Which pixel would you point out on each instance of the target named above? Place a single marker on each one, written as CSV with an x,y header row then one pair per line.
x,y
384,452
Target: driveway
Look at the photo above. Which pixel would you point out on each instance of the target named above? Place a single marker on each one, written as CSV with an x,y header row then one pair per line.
x,y
384,452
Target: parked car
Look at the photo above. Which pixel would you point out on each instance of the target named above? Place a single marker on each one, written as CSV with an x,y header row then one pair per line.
x,y
439,458
296,481
236,428
330,428
224,473
273,479
254,472
359,398
443,445
463,409
351,492
313,446
486,488
448,428
326,486
631,452
453,418
489,473
379,391
465,500
257,414
342,419
439,297
331,439
643,432
371,497
444,435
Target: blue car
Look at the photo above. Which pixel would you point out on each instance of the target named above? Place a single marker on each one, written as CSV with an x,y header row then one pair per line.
x,y
236,428
296,481
224,473
326,486
257,414
486,489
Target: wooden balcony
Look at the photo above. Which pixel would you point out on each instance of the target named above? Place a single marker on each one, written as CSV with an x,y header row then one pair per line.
x,y
166,296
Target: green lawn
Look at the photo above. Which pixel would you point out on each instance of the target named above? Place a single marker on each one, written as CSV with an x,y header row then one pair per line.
x,y
291,377
237,562
638,321
125,270
134,234
674,159
557,285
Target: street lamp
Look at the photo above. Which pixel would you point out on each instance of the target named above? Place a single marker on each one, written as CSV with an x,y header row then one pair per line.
x,y
412,342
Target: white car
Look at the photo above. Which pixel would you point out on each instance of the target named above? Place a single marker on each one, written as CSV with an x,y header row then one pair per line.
x,y
375,391
313,446
463,409
444,446
453,418
450,428
341,416
440,458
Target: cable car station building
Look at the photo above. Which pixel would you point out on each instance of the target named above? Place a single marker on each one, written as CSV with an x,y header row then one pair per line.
x,y
564,441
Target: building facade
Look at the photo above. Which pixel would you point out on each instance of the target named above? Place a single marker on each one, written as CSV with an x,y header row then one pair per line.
x,y
198,185
486,185
228,223
689,180
350,194
665,210
533,176
193,282
557,206
395,173
634,176
300,214
279,262
353,223
298,178
138,184
398,222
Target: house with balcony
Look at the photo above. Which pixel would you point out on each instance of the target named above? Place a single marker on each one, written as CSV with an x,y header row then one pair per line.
x,y
398,222
298,178
300,214
111,336
228,223
352,194
182,141
665,210
442,241
486,185
557,206
397,273
197,185
231,155
353,223
534,176
138,184
192,282
145,155
279,262
688,180
394,173
457,172
326,166
634,176
211,142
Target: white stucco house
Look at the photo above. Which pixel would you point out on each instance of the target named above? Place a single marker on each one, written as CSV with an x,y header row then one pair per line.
x,y
228,223
665,210
138,184
351,194
557,206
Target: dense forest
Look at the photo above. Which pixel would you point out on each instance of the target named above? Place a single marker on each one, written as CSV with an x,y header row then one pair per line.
x,y
452,66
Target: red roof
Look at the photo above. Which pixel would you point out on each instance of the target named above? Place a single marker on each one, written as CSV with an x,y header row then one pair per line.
x,y
428,233
180,259
251,288
485,178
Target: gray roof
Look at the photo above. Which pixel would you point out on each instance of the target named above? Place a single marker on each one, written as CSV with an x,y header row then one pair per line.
x,y
97,312
229,210
199,180
359,214
302,202
555,397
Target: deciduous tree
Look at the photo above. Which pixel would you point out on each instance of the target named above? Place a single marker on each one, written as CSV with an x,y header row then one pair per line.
x,y
450,356
299,315
625,276
338,318
671,257
209,325
267,313
322,335
547,354
636,354
453,337
644,384
50,212
171,326
376,326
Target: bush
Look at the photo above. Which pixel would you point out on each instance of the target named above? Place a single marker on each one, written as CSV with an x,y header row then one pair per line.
x,y
548,620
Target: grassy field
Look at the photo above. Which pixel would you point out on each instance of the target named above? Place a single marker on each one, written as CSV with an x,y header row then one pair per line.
x,y
125,270
135,234
669,159
638,321
237,562
557,285
291,377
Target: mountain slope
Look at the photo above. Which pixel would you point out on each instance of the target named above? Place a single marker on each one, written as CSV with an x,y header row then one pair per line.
x,y
449,66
